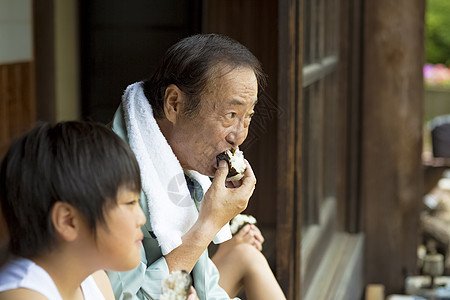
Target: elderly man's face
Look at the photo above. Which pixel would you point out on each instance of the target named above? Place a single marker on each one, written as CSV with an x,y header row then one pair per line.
x,y
225,112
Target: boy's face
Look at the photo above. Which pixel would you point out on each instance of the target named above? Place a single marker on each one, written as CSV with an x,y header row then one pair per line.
x,y
120,241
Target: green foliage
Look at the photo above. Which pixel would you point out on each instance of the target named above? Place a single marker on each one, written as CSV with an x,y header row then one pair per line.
x,y
437,33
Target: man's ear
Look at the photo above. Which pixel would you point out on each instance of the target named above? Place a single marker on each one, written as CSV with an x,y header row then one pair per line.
x,y
65,219
173,102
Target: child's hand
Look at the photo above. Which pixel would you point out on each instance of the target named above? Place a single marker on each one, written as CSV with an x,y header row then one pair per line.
x,y
249,234
257,239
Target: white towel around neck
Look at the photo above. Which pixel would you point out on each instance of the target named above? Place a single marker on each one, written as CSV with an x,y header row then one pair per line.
x,y
172,211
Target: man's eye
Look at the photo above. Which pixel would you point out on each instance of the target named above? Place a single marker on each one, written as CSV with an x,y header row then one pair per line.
x,y
132,202
231,115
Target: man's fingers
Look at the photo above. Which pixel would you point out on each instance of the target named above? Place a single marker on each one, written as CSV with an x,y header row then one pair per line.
x,y
221,172
249,178
229,184
236,183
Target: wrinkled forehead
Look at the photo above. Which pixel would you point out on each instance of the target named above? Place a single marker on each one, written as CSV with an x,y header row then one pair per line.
x,y
228,84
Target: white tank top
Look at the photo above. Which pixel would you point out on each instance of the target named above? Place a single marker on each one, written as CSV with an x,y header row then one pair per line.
x,y
23,273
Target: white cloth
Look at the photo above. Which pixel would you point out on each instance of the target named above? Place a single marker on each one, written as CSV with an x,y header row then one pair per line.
x,y
172,211
23,273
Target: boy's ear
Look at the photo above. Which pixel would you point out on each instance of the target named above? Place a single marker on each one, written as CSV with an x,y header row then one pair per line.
x,y
65,221
173,102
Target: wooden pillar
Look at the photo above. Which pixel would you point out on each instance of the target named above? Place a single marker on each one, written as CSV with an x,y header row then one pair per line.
x,y
348,115
288,235
392,110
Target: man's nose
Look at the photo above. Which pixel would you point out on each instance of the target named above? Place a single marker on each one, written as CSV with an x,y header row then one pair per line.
x,y
238,135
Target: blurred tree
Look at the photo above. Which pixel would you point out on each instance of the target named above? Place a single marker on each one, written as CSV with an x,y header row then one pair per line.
x,y
437,32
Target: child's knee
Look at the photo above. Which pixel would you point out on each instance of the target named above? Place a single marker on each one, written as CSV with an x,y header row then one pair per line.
x,y
248,255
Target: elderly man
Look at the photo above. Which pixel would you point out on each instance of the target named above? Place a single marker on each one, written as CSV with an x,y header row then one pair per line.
x,y
197,104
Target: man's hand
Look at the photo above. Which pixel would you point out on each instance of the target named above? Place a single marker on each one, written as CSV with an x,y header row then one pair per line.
x,y
219,205
223,202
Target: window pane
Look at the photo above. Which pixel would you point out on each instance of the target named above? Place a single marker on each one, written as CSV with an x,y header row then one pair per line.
x,y
318,117
313,151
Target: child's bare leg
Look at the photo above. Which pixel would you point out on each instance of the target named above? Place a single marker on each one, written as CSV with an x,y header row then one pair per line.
x,y
242,265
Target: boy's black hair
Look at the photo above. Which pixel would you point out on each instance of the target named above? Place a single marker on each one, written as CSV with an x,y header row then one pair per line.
x,y
190,63
80,163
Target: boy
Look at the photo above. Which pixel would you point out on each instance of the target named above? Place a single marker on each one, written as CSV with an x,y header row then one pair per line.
x,y
69,196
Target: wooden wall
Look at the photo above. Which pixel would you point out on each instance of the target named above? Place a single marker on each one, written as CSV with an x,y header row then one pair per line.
x,y
17,108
